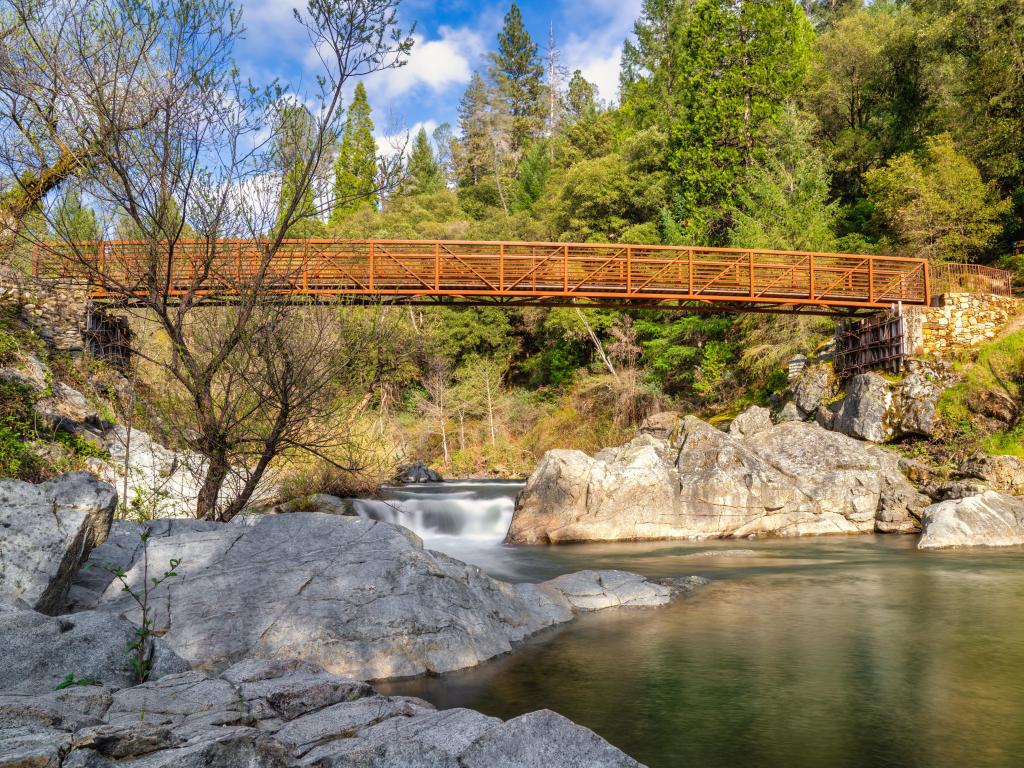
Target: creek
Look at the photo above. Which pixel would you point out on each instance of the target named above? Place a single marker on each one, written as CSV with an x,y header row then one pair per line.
x,y
841,651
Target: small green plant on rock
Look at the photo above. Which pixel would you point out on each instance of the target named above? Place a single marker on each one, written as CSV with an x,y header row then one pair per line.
x,y
70,681
140,650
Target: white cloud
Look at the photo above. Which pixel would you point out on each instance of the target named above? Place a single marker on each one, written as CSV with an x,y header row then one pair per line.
x,y
388,145
598,55
435,64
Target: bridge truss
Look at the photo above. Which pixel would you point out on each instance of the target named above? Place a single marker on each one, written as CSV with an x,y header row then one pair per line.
x,y
500,273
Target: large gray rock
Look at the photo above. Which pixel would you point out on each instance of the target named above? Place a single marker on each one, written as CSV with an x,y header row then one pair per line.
x,y
274,714
359,597
814,386
40,651
990,519
120,550
47,532
791,479
751,421
866,411
877,409
1001,473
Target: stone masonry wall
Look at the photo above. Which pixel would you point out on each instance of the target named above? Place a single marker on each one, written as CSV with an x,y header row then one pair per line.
x,y
56,309
965,320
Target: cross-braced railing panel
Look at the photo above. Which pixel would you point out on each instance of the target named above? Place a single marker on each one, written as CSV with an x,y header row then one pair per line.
x,y
494,271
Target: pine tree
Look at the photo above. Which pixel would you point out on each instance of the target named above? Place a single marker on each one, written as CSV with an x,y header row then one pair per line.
x,y
425,174
580,98
74,222
295,133
517,72
355,168
473,155
534,170
713,74
784,200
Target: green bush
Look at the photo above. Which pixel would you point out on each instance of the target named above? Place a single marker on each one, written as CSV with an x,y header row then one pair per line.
x,y
16,429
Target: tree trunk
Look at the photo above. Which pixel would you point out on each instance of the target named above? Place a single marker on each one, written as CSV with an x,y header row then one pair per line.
x,y
597,345
490,412
217,470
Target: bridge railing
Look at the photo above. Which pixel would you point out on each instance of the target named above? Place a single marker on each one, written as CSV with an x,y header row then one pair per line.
x,y
971,278
495,270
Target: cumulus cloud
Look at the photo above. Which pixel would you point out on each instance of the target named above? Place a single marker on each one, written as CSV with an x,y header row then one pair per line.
x,y
390,144
598,54
434,64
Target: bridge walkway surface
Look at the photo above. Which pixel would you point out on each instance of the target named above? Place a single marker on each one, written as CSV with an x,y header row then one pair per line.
x,y
501,273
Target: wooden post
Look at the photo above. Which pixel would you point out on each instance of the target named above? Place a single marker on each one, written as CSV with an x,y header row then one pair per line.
x,y
750,257
810,276
689,270
871,280
501,266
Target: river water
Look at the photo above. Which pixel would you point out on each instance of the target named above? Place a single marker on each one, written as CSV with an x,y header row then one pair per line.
x,y
852,651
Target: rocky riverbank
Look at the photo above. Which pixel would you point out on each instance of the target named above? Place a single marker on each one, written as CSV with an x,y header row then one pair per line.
x,y
277,714
263,637
682,478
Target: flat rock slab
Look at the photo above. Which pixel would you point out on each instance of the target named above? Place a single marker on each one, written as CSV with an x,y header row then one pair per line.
x,y
46,532
39,651
990,519
192,720
358,597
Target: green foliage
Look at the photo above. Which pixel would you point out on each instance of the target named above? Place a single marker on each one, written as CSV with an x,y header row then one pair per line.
x,y
937,204
74,222
534,170
16,429
468,331
140,649
712,74
70,681
296,205
517,72
580,98
425,175
865,73
784,203
355,167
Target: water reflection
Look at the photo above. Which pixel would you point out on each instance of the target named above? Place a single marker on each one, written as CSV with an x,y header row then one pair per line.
x,y
840,652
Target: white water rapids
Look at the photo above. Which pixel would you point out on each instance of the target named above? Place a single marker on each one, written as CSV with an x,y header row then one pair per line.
x,y
447,516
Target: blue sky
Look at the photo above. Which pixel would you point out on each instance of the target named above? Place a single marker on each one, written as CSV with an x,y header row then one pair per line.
x,y
452,39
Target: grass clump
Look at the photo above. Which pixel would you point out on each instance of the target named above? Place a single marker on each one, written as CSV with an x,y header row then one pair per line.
x,y
983,411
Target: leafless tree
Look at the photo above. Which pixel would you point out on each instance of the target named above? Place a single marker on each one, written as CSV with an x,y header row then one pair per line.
x,y
251,376
78,77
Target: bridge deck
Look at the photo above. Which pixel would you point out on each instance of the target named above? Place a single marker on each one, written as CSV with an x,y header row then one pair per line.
x,y
510,273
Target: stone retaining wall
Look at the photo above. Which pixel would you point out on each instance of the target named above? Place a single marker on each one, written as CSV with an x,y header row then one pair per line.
x,y
964,320
56,309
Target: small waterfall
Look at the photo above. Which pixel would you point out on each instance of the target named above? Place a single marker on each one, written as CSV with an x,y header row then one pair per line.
x,y
477,511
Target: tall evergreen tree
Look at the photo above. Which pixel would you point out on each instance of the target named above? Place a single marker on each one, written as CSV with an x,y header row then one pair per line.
x,y
295,132
580,98
518,74
473,155
425,175
73,221
355,168
784,200
713,73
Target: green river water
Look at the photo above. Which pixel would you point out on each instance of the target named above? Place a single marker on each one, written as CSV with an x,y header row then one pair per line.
x,y
853,651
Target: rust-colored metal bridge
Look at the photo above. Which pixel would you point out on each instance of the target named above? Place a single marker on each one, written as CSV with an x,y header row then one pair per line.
x,y
504,273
